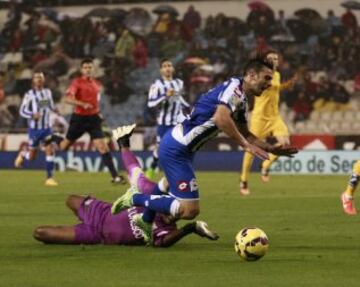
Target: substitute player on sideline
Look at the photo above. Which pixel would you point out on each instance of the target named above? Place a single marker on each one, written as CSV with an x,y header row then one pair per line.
x,y
213,112
266,121
98,225
166,94
347,197
84,93
37,105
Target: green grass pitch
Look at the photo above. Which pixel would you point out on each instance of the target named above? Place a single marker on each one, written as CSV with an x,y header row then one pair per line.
x,y
312,243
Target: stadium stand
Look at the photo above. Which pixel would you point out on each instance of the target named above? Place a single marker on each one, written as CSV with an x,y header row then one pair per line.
x,y
127,46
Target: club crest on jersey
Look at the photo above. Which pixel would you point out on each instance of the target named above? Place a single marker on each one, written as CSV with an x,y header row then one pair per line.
x,y
44,103
183,186
237,97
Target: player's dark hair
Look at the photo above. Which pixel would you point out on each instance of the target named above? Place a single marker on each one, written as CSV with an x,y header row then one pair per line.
x,y
257,64
38,72
86,61
267,53
163,60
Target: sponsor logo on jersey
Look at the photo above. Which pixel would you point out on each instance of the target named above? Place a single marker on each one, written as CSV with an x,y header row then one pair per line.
x,y
44,103
136,231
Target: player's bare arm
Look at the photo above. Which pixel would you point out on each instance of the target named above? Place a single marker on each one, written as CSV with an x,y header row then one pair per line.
x,y
289,84
224,122
283,150
36,116
198,227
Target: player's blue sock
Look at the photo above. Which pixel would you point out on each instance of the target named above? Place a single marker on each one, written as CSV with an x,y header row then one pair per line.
x,y
154,202
149,214
49,166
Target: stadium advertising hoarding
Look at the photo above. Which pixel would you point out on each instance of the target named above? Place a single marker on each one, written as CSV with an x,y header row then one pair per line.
x,y
317,162
305,162
13,142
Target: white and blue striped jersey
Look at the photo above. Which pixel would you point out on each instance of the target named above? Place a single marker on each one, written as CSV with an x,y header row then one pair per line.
x,y
200,127
170,108
37,101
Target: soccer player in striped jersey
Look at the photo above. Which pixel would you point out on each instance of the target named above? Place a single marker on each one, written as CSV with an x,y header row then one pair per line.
x,y
266,121
165,94
347,197
214,111
37,105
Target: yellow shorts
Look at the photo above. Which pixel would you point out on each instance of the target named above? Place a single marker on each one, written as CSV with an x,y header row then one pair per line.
x,y
265,128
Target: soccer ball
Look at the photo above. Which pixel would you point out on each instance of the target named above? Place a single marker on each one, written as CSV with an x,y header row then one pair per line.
x,y
251,243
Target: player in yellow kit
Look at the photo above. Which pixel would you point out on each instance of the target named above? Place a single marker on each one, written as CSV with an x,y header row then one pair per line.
x,y
347,197
266,121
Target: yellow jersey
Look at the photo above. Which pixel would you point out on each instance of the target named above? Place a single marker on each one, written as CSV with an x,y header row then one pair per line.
x,y
266,106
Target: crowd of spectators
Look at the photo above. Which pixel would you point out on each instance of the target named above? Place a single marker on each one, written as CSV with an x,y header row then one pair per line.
x,y
52,3
322,52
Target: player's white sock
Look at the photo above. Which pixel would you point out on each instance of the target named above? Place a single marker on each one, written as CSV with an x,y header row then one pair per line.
x,y
162,186
25,154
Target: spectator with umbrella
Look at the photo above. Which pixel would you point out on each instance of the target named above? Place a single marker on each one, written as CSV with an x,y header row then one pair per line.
x,y
125,45
192,18
333,22
349,20
163,9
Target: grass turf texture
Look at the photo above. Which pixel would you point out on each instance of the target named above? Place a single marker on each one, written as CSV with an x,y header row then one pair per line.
x,y
312,243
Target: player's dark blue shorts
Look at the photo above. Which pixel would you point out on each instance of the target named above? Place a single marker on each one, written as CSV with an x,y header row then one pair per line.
x,y
176,161
37,136
161,131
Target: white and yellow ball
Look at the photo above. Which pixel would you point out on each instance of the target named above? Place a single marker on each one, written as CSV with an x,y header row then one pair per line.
x,y
251,243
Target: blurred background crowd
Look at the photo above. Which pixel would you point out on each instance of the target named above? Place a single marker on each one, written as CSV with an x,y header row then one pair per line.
x,y
128,44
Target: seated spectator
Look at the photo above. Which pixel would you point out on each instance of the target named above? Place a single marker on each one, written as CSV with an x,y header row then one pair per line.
x,y
280,24
348,19
125,45
37,55
322,95
201,80
341,98
172,46
301,107
140,53
6,118
2,93
163,23
332,21
262,28
117,89
310,88
58,62
357,82
16,40
192,18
